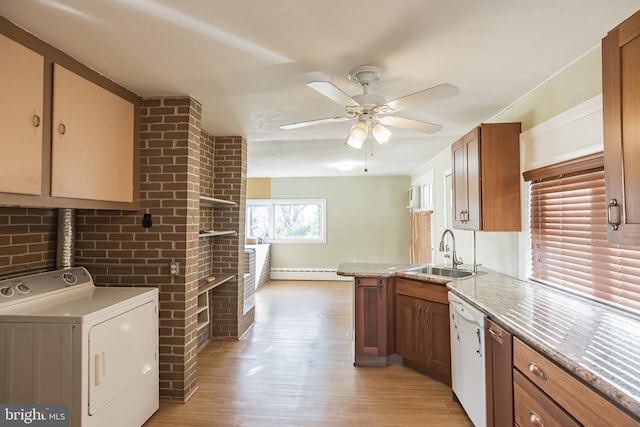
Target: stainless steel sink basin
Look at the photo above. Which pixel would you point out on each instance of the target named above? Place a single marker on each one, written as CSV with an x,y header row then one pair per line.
x,y
434,270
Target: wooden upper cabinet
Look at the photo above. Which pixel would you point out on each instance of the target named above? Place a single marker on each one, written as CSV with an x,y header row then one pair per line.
x,y
93,141
21,109
486,178
621,113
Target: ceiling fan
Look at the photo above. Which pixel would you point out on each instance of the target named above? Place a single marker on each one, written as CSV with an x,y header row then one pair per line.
x,y
372,111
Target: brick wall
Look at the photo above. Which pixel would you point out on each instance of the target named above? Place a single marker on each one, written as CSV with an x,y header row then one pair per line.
x,y
169,191
27,240
229,182
118,251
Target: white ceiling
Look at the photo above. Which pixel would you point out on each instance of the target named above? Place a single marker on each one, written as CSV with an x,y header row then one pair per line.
x,y
248,62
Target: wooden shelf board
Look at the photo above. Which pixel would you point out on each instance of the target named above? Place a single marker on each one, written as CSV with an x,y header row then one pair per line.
x,y
208,284
212,201
202,325
217,233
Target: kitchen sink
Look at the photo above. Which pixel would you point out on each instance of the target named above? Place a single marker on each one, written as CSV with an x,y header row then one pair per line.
x,y
434,270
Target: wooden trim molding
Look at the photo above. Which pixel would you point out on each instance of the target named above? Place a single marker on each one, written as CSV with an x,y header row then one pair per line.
x,y
570,167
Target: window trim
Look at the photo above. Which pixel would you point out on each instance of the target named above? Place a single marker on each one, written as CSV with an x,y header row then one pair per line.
x,y
272,203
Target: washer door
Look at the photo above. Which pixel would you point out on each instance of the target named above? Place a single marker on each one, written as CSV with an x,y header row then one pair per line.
x,y
121,351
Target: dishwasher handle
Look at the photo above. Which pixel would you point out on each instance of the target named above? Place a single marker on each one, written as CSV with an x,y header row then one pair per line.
x,y
462,310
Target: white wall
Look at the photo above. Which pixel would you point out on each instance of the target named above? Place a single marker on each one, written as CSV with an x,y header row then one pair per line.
x,y
576,84
367,221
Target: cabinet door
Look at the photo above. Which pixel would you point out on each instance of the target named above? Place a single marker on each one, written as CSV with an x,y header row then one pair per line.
x,y
466,181
621,109
499,370
437,350
408,327
21,105
93,141
370,317
459,183
472,170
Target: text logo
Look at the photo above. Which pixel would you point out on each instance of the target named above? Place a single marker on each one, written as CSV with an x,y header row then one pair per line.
x,y
34,415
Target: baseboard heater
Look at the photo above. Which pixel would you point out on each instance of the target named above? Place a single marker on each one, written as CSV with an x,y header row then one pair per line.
x,y
306,274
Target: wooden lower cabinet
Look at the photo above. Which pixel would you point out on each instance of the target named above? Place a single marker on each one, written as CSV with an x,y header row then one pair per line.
x,y
534,408
422,329
535,376
374,321
499,375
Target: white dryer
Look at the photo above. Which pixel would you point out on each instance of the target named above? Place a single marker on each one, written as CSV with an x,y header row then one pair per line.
x,y
65,341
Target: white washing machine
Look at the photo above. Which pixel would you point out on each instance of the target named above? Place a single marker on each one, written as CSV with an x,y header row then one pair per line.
x,y
65,341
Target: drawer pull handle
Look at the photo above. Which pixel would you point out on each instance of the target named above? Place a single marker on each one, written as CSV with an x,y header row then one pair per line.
x,y
535,419
535,370
495,334
36,120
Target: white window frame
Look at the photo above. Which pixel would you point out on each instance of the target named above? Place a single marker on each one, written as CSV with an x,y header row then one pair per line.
x,y
272,203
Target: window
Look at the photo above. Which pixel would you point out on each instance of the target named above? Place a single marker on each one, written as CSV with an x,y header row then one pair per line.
x,y
287,221
568,232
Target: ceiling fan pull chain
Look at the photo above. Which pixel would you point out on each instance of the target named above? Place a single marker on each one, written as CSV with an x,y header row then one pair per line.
x,y
366,169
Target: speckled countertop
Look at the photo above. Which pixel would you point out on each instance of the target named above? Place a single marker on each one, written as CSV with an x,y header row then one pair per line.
x,y
598,344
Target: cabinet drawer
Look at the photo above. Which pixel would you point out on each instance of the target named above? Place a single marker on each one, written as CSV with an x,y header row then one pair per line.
x,y
369,282
534,408
423,290
578,399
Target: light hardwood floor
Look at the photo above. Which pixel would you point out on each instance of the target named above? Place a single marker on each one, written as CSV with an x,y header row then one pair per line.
x,y
295,368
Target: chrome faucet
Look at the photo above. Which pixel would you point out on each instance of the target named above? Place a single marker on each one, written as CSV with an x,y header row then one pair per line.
x,y
455,261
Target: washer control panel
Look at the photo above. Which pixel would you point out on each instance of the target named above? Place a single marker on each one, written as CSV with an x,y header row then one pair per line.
x,y
24,288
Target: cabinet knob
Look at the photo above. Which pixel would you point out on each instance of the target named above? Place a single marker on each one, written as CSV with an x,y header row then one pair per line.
x,y
535,419
62,128
35,120
613,214
535,370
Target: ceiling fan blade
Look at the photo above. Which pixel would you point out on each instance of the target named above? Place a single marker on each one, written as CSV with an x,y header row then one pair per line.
x,y
434,93
332,92
314,122
410,124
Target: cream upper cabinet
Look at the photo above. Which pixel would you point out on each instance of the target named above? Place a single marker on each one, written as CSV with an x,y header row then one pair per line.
x,y
21,105
92,141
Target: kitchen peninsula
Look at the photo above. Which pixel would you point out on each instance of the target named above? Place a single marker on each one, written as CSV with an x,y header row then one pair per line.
x,y
588,350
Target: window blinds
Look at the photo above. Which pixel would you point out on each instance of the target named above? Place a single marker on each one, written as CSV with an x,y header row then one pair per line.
x,y
569,247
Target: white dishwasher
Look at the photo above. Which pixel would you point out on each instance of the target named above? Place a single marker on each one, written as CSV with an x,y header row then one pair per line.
x,y
468,379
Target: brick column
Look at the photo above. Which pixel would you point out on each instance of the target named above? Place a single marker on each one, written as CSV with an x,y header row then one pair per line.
x,y
169,191
229,182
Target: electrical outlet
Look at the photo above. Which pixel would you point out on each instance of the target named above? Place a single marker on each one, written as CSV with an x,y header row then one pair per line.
x,y
174,266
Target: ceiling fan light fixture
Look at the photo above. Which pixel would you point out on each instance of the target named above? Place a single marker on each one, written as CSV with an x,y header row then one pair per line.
x,y
355,143
360,130
381,133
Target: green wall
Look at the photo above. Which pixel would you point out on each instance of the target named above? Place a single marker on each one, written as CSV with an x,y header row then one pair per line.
x,y
366,221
